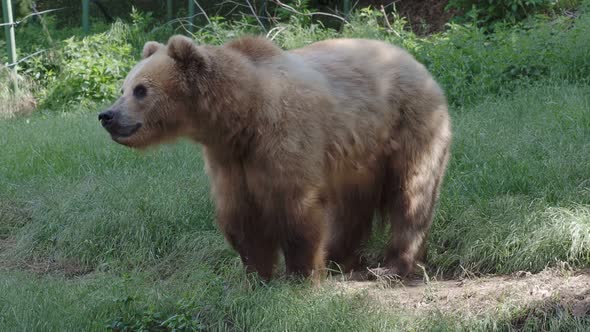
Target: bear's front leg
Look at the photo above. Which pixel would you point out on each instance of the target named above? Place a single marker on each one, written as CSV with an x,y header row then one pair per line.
x,y
239,218
305,237
257,249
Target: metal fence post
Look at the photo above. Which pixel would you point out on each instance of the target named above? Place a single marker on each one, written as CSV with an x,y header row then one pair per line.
x,y
10,42
346,7
85,14
169,10
191,15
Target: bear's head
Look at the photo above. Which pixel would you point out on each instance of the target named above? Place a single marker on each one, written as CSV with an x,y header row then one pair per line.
x,y
157,101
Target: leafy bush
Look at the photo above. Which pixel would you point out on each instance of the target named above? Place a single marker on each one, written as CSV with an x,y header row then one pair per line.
x,y
470,63
91,67
186,319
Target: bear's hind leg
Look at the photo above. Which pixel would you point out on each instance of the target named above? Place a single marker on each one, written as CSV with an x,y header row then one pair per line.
x,y
411,194
304,238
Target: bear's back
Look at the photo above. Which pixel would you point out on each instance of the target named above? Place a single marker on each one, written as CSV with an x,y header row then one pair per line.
x,y
356,68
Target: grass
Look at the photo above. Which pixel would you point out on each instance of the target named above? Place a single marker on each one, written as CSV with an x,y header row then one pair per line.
x,y
518,192
93,303
516,197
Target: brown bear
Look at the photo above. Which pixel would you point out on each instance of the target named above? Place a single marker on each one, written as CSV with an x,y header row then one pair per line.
x,y
303,147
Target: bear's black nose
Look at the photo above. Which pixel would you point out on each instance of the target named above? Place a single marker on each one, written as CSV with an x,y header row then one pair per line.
x,y
106,117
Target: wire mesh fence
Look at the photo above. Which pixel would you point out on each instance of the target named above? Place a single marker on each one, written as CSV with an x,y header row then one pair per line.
x,y
11,42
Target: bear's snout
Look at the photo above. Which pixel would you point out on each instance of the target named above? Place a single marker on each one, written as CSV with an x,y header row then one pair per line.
x,y
106,117
112,121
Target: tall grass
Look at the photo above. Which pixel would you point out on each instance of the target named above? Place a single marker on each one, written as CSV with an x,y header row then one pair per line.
x,y
16,94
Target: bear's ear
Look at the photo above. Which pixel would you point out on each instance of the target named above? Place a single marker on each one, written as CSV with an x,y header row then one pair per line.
x,y
184,51
150,48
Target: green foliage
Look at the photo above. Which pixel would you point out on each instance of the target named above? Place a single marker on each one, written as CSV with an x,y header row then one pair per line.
x,y
21,7
83,70
470,63
487,12
184,318
91,68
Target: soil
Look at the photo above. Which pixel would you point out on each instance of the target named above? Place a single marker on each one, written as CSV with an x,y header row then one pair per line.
x,y
482,296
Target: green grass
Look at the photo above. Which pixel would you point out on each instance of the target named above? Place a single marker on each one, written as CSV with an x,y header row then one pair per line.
x,y
517,197
93,303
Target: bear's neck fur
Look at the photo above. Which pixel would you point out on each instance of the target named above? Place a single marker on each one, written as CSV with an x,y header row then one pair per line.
x,y
230,93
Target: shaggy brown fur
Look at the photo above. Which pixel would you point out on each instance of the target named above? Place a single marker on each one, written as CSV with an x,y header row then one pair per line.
x,y
302,147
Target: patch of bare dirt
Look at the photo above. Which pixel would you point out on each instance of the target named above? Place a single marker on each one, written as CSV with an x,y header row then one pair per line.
x,y
38,266
481,296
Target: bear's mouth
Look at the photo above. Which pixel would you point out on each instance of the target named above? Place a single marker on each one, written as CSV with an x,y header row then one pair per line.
x,y
118,132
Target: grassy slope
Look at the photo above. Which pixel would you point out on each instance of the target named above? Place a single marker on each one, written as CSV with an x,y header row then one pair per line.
x,y
516,197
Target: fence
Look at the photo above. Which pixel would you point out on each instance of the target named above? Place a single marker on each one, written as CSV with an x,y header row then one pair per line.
x,y
10,24
9,28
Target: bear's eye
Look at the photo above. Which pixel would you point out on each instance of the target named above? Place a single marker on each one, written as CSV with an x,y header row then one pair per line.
x,y
140,91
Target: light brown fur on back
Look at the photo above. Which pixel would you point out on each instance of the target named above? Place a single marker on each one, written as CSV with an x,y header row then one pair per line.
x,y
254,47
